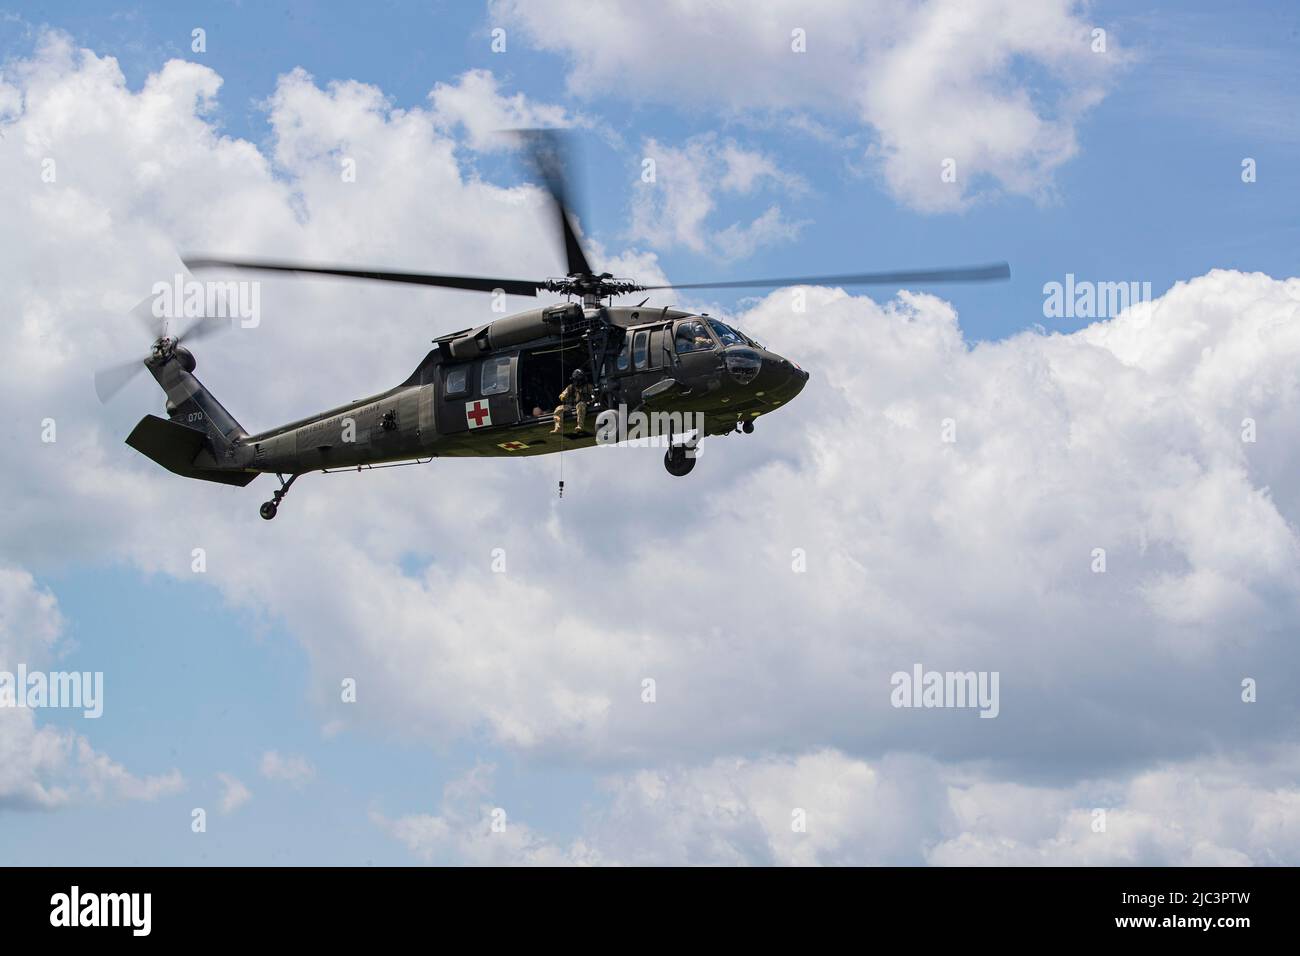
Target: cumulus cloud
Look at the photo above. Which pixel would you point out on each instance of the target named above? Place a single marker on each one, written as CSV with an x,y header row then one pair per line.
x,y
475,102
825,808
470,830
975,554
1207,812
671,208
997,86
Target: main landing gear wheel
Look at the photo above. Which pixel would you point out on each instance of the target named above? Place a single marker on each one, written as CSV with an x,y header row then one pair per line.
x,y
269,508
748,426
678,463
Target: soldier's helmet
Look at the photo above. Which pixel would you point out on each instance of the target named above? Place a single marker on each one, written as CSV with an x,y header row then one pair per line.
x,y
578,377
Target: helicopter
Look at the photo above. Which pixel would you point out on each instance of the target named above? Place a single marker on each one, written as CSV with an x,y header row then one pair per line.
x,y
492,390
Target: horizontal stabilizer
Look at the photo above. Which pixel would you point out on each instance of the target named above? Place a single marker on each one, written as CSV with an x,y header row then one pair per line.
x,y
175,446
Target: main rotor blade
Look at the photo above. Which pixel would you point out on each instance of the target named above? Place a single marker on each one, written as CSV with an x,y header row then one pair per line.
x,y
111,380
998,270
548,154
472,283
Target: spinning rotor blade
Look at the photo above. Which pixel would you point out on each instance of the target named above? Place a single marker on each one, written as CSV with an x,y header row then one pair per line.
x,y
997,270
204,328
472,283
111,380
142,312
547,153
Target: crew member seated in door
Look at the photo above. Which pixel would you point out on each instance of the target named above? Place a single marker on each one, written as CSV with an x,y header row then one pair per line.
x,y
576,395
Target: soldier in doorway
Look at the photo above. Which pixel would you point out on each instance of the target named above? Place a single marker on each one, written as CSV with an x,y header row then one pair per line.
x,y
576,395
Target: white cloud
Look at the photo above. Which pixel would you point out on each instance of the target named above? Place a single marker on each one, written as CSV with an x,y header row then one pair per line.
x,y
1208,812
293,769
45,767
672,210
11,101
904,811
996,85
234,794
826,808
106,778
471,830
30,622
475,102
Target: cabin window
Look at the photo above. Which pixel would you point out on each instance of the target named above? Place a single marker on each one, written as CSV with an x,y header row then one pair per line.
x,y
456,382
639,346
657,357
621,364
496,376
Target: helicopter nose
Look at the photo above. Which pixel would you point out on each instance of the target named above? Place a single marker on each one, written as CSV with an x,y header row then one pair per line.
x,y
787,375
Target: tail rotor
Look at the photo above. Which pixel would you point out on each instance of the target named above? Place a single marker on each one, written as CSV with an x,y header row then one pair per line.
x,y
111,379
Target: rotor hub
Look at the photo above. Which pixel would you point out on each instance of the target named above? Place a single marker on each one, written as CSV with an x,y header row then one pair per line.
x,y
591,288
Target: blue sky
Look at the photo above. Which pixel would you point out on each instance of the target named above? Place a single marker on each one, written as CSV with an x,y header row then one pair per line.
x,y
205,682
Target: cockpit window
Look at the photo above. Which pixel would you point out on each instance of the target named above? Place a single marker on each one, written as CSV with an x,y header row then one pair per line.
x,y
726,334
692,337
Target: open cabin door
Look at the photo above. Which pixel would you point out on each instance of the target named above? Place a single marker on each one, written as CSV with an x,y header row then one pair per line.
x,y
544,372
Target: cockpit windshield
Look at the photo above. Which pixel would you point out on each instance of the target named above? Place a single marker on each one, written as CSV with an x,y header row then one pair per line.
x,y
728,335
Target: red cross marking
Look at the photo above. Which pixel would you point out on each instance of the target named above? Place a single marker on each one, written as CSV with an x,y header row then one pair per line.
x,y
476,413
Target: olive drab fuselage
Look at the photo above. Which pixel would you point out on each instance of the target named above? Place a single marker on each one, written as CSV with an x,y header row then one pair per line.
x,y
492,391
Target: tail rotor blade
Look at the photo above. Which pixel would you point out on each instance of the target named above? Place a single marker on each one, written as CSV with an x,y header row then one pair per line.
x,y
112,379
204,328
143,314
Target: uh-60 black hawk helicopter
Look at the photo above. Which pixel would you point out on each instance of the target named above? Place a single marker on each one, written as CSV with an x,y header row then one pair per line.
x,y
492,390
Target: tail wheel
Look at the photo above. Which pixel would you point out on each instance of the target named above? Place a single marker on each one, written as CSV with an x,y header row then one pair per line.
x,y
267,510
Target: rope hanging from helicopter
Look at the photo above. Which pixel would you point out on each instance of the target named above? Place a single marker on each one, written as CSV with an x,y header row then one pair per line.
x,y
559,412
